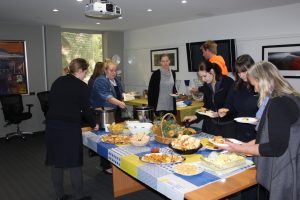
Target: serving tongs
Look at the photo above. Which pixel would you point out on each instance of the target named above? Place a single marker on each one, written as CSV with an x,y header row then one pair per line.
x,y
129,114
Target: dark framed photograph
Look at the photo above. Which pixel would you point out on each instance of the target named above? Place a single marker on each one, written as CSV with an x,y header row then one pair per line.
x,y
13,67
285,57
156,54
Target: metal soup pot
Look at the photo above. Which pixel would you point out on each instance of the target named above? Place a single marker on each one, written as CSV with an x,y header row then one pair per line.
x,y
143,113
105,116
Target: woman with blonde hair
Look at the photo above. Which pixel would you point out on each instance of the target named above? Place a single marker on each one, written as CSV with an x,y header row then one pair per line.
x,y
278,140
107,90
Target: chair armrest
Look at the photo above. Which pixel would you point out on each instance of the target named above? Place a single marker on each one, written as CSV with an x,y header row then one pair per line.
x,y
29,107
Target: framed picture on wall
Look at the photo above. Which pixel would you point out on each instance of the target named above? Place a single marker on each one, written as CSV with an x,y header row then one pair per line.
x,y
156,54
285,57
13,67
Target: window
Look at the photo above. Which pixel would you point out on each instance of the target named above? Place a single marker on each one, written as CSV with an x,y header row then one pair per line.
x,y
81,45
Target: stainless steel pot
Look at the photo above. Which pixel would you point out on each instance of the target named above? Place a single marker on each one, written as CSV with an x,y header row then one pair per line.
x,y
143,113
105,116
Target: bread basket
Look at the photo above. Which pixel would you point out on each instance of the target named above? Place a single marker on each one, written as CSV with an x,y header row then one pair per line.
x,y
162,136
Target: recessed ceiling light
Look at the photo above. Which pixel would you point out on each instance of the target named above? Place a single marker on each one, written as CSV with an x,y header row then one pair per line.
x,y
183,1
79,0
55,10
98,23
149,10
120,17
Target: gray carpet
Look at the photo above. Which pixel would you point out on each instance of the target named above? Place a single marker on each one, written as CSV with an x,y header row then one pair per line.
x,y
23,175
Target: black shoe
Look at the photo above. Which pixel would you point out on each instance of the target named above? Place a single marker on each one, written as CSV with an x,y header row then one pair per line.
x,y
85,198
65,197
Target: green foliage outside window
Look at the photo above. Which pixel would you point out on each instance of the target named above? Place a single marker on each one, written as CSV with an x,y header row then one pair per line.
x,y
81,45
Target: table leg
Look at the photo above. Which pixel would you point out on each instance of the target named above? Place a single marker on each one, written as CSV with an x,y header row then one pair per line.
x,y
123,183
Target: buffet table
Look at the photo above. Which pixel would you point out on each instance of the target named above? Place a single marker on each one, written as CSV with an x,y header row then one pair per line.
x,y
181,112
130,174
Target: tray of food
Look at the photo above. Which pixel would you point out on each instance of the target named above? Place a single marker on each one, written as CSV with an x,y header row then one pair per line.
x,y
188,169
185,144
221,161
162,158
115,139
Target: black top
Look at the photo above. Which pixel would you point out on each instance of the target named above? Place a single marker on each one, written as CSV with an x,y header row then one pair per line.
x,y
153,89
282,113
242,102
216,100
69,97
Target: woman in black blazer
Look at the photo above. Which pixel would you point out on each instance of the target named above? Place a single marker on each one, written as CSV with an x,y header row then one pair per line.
x,y
69,98
161,85
215,89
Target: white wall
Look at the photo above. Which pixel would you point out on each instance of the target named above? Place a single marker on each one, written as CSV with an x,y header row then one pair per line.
x,y
252,30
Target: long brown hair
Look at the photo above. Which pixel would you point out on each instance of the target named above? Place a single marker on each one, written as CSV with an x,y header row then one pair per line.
x,y
242,64
98,70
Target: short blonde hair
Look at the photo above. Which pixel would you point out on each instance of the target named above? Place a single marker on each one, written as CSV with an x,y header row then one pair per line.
x,y
108,62
271,82
210,45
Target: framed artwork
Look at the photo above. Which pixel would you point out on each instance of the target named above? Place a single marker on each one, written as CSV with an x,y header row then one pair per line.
x,y
156,54
285,57
13,67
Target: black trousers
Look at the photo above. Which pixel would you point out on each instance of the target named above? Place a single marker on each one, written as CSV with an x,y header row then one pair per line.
x,y
57,176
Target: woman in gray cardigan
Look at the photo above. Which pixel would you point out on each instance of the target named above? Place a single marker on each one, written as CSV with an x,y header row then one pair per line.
x,y
278,140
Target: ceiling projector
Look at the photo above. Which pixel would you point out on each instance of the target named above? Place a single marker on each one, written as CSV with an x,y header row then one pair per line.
x,y
102,10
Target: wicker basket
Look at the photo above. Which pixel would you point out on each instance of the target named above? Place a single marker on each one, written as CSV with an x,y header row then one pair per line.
x,y
162,138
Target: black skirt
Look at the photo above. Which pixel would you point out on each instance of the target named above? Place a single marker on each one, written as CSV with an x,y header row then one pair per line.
x,y
64,146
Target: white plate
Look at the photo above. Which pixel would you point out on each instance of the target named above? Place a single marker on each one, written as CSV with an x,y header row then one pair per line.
x,y
198,171
225,145
181,105
174,95
247,120
208,113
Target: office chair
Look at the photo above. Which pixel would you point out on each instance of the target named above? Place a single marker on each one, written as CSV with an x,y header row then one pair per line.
x,y
12,106
43,98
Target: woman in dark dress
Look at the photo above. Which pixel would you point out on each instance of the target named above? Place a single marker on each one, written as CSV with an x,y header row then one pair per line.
x,y
215,90
242,100
69,98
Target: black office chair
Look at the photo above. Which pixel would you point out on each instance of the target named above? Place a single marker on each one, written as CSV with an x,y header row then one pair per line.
x,y
12,106
43,98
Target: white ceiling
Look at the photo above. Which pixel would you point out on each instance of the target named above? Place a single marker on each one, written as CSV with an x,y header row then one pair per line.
x,y
135,16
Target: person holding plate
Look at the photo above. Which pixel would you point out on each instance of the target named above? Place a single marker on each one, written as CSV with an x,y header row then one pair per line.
x,y
276,146
215,89
242,100
161,85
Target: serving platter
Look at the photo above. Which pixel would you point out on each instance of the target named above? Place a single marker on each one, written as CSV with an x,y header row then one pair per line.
x,y
115,139
188,169
162,158
186,151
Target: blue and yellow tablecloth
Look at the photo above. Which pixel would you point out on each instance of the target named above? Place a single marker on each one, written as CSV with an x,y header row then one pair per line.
x,y
160,177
